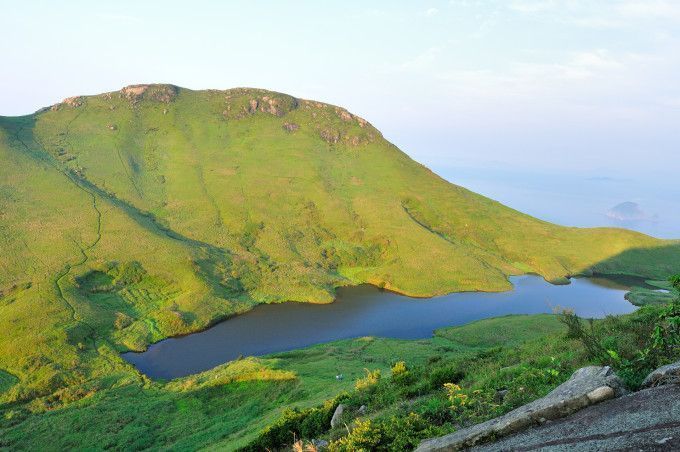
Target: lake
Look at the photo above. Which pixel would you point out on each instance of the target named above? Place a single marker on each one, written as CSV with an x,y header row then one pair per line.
x,y
368,311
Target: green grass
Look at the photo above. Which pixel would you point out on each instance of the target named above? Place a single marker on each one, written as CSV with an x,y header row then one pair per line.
x,y
229,405
497,365
132,216
6,381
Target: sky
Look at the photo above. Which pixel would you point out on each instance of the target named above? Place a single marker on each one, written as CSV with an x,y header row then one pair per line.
x,y
546,85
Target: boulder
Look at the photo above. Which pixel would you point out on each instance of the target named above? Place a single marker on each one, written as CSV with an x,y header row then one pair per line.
x,y
586,386
500,395
290,126
665,375
337,415
320,443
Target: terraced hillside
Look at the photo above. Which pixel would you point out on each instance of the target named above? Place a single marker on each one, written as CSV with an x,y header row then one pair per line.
x,y
154,211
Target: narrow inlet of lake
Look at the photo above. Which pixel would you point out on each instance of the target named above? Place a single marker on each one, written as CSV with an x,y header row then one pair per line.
x,y
368,311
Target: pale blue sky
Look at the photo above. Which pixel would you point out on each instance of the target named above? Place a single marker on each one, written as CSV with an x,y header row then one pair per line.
x,y
548,84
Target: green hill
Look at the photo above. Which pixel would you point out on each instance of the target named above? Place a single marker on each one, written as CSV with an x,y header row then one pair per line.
x,y
154,211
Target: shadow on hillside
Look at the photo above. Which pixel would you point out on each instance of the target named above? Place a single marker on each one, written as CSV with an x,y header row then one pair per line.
x,y
650,263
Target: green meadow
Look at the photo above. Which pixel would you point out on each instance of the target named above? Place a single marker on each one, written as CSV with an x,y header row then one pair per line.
x,y
132,216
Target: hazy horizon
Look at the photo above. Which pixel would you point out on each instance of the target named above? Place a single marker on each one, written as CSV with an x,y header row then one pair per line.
x,y
545,86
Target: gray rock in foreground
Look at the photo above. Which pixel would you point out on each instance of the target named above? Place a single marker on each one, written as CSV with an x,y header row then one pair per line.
x,y
665,375
337,415
647,420
586,386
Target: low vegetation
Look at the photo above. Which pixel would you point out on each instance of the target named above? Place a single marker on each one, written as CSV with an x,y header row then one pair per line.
x,y
409,390
442,395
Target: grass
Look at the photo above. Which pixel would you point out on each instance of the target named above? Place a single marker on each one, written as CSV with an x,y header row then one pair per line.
x,y
492,373
229,405
132,216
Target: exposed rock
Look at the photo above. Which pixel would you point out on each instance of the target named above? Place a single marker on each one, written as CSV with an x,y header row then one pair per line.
x,y
320,443
257,101
600,394
159,93
133,91
330,136
500,395
112,127
354,140
586,386
74,102
344,114
337,415
290,126
665,375
644,420
362,409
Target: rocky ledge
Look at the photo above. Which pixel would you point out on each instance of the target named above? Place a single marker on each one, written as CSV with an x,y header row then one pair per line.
x,y
587,386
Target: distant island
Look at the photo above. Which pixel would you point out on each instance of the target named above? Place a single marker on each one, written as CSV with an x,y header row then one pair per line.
x,y
627,211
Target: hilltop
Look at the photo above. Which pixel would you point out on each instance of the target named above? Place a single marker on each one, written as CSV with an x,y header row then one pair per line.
x,y
153,211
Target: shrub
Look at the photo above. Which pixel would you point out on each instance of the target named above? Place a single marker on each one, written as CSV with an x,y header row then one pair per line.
x,y
445,374
398,369
370,380
395,433
457,398
634,346
294,424
363,437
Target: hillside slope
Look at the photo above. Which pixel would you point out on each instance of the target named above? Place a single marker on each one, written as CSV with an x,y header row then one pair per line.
x,y
131,216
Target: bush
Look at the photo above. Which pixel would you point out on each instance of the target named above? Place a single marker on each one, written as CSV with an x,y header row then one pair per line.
x,y
445,374
396,433
402,376
370,380
457,398
634,346
398,369
294,424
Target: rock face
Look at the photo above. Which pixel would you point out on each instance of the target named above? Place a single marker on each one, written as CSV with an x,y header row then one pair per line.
x,y
666,375
586,386
646,420
337,415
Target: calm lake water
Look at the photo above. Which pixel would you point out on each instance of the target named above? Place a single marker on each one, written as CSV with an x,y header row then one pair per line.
x,y
368,311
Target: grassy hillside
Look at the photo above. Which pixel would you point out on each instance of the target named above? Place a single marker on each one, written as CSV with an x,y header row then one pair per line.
x,y
227,407
261,403
132,216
